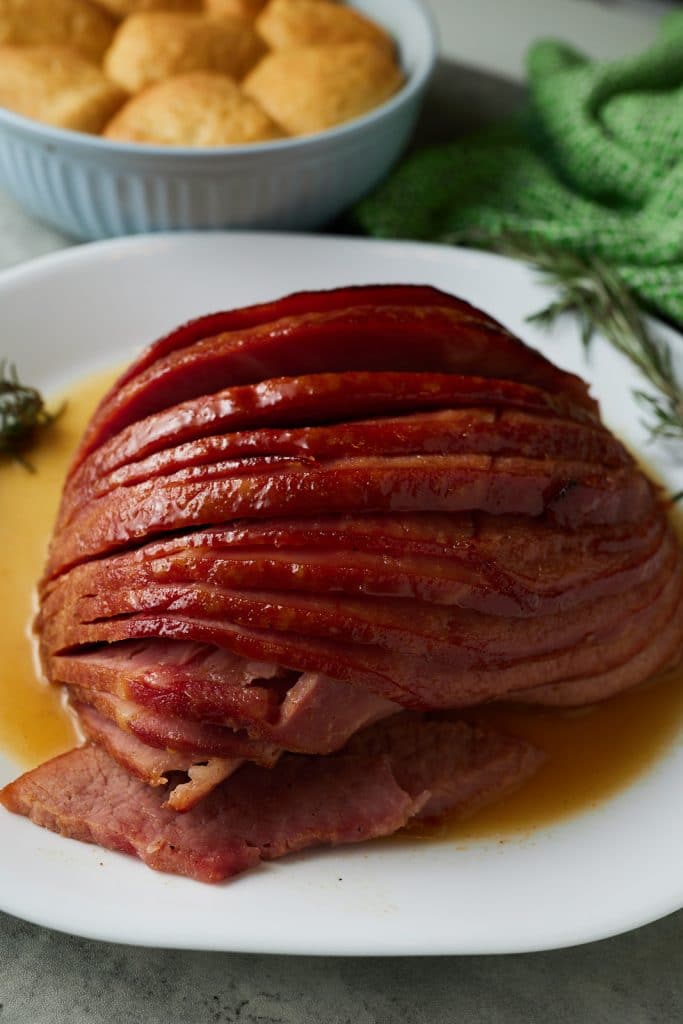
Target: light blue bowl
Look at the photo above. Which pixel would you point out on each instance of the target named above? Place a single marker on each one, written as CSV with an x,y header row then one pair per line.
x,y
92,188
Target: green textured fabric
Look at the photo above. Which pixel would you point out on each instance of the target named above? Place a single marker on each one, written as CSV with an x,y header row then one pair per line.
x,y
595,165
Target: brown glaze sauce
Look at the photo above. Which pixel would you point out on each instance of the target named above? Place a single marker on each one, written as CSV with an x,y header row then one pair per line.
x,y
591,753
34,724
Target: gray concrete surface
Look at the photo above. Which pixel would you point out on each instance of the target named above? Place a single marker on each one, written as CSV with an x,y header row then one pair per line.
x,y
47,978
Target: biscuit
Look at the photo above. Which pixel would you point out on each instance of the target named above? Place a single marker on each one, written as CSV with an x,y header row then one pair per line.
x,y
56,85
312,88
149,47
75,23
198,109
122,8
288,23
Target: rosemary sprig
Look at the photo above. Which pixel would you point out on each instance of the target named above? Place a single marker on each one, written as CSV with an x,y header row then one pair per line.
x,y
22,414
593,292
591,289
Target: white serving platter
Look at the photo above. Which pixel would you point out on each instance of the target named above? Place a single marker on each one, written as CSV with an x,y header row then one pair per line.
x,y
599,873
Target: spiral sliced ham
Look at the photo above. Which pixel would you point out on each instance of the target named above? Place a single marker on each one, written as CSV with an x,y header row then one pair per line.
x,y
289,532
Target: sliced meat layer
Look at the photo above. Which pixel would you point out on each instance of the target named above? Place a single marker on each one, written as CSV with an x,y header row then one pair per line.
x,y
154,766
292,305
260,814
440,339
472,538
164,732
86,795
414,682
463,767
309,713
456,432
464,638
573,495
664,652
308,400
187,680
511,567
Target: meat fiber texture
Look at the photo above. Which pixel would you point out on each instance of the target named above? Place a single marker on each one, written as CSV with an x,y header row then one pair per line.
x,y
294,524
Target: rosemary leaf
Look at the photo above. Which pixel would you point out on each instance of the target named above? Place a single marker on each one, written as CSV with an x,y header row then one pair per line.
x,y
22,415
588,288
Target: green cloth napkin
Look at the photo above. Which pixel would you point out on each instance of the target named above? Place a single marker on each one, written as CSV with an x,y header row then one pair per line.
x,y
595,165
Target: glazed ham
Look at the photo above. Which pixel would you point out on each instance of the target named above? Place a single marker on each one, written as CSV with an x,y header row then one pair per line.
x,y
296,537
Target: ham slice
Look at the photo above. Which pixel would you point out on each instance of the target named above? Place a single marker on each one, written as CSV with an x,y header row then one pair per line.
x,y
372,337
463,767
572,494
409,680
86,795
290,305
463,431
662,654
507,567
165,732
312,399
308,713
467,639
154,766
261,814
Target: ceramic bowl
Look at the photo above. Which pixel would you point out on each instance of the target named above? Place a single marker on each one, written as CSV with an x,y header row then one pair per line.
x,y
91,188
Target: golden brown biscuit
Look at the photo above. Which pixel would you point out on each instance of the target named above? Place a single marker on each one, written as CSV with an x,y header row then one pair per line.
x,y
152,46
56,85
122,8
198,109
288,23
75,23
313,88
